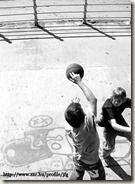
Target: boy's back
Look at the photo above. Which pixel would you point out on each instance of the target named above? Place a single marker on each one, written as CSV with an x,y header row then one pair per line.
x,y
85,140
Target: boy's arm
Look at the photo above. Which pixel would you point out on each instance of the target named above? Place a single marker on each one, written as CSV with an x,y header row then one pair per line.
x,y
87,92
113,122
118,127
90,97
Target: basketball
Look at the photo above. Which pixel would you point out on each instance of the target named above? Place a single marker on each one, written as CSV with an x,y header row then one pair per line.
x,y
76,68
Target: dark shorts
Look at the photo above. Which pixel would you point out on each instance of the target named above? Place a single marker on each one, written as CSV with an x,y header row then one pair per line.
x,y
95,171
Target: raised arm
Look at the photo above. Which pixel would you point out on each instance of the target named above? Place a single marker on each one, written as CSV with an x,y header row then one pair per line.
x,y
87,92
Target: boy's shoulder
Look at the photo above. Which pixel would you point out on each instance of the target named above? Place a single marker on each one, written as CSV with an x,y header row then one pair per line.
x,y
127,103
108,103
68,127
128,100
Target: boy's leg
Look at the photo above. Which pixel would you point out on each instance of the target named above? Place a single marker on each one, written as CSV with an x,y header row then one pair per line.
x,y
109,143
97,172
109,136
78,171
76,175
122,122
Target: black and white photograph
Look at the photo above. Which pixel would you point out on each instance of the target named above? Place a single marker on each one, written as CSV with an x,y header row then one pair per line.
x,y
65,90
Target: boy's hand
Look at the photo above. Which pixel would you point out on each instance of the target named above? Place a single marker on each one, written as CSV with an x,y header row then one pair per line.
x,y
75,78
75,100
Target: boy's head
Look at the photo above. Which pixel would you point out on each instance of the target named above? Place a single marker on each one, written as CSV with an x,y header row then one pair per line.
x,y
74,115
118,96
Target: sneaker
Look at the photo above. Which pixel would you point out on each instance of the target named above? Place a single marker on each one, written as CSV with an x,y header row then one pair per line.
x,y
107,161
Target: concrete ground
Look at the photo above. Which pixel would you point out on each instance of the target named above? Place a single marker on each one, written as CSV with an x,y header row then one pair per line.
x,y
35,92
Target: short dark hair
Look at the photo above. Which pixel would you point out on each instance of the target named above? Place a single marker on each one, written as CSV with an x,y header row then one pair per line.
x,y
74,115
119,93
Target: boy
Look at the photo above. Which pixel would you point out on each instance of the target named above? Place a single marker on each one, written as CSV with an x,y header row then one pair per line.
x,y
113,122
82,131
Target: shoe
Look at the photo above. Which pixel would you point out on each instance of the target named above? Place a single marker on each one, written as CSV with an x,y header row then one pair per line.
x,y
107,161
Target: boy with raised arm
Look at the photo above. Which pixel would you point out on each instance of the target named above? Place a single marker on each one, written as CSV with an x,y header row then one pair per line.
x,y
81,128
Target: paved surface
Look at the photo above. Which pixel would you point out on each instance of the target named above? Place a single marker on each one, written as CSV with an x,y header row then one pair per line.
x,y
35,92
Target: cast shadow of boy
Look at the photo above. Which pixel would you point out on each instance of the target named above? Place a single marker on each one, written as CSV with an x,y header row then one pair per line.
x,y
117,169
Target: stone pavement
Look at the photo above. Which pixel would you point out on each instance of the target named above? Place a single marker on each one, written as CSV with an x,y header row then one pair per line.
x,y
35,92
